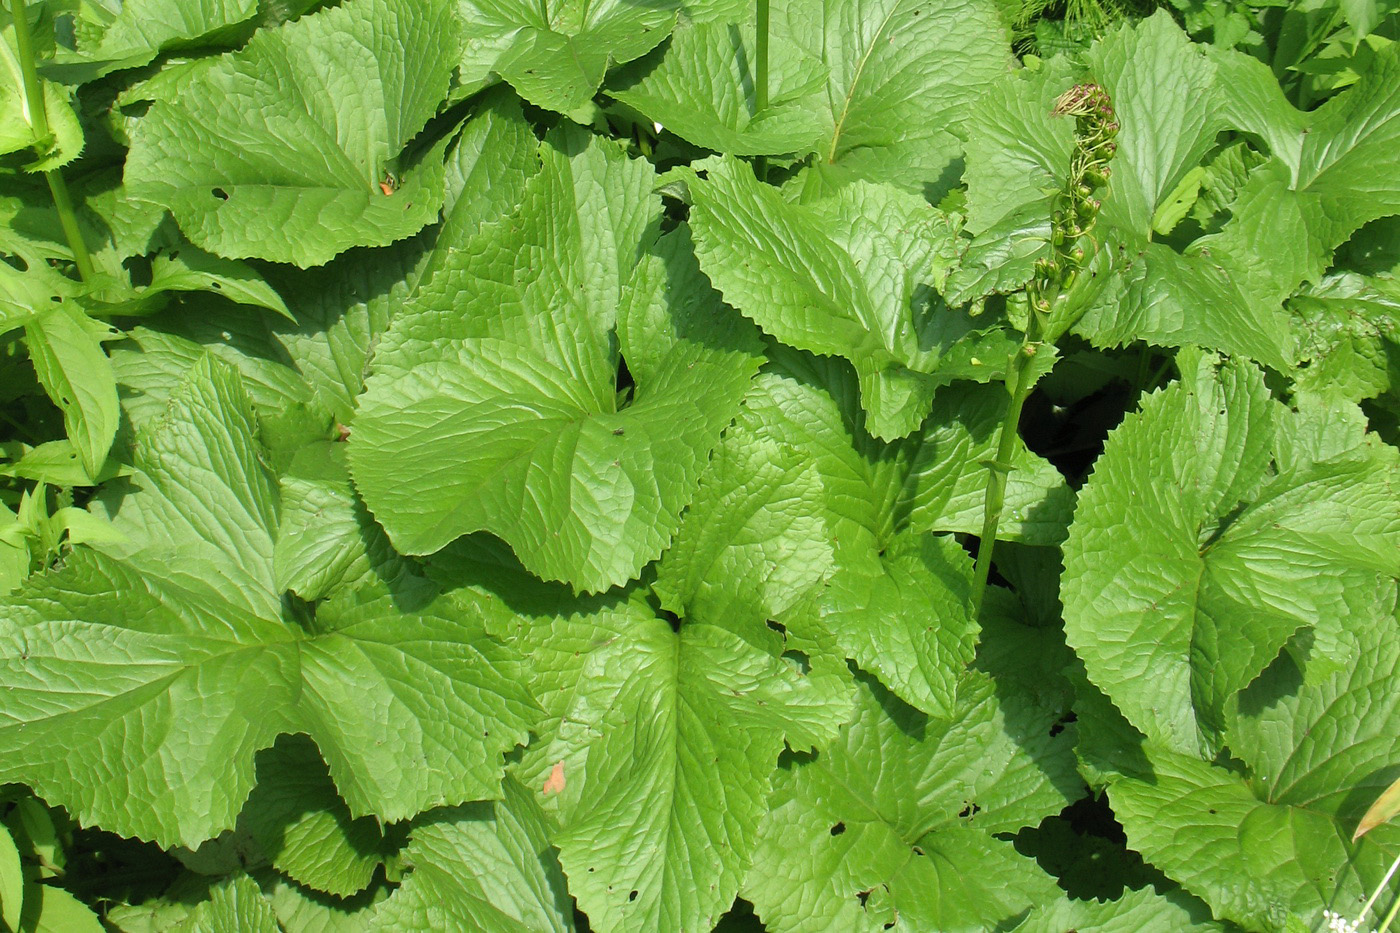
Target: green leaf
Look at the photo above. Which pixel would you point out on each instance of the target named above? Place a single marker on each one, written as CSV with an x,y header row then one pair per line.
x,y
210,672
1162,88
1215,527
1172,300
11,881
895,820
483,866
753,541
288,170
500,381
1018,152
556,53
64,141
1257,846
1349,330
341,308
189,269
1310,203
307,911
327,540
1018,156
65,346
235,906
48,909
141,29
657,746
893,598
902,76
855,275
675,736
303,826
1142,911
700,88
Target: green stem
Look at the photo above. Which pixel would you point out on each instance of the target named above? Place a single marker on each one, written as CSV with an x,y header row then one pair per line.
x,y
760,76
39,119
68,218
1019,387
1375,895
33,88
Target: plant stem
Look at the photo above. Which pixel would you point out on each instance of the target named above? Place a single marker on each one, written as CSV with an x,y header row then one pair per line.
x,y
760,77
39,119
1019,385
1375,895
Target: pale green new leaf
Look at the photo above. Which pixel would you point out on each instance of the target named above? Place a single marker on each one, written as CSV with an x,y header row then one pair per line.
x,y
484,866
556,53
854,275
65,346
499,381
1217,525
902,75
194,669
278,151
701,88
895,820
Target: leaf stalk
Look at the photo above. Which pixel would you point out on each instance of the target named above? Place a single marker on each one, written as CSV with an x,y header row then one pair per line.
x,y
39,119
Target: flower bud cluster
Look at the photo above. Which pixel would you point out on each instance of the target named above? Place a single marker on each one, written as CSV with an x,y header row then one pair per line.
x,y
1077,204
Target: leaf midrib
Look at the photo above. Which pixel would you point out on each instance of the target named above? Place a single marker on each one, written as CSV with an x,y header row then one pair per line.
x,y
855,80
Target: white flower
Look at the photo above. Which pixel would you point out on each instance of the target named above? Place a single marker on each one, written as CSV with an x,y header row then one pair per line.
x,y
1336,923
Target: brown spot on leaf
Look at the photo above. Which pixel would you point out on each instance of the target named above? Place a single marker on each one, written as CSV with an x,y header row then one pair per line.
x,y
554,784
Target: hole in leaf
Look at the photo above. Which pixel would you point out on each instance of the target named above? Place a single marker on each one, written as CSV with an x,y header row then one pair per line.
x,y
219,193
778,627
838,829
625,385
632,896
969,811
862,896
799,660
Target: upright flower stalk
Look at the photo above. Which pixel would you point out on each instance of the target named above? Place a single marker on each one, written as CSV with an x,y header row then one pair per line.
x,y
39,119
1049,313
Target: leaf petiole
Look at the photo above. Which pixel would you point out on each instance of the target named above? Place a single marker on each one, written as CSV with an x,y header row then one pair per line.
x,y
39,119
